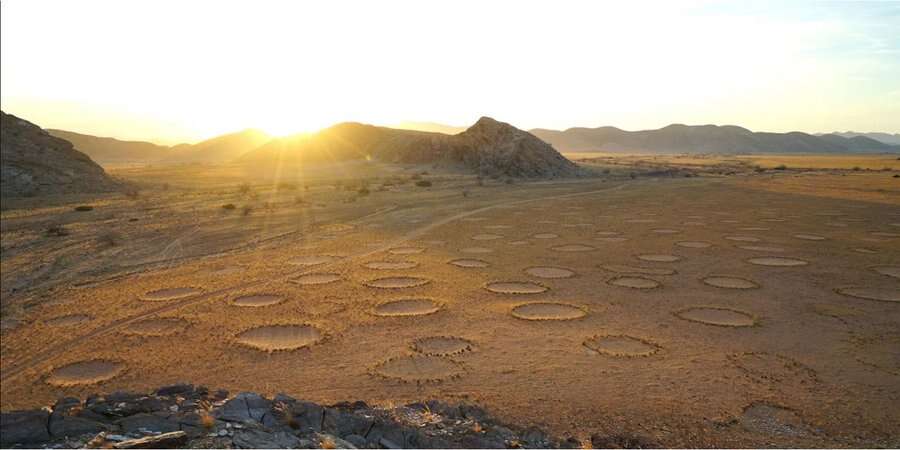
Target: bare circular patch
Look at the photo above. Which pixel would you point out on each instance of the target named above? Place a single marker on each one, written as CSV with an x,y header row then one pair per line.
x,y
84,372
419,369
881,294
161,295
545,236
693,244
442,345
67,320
406,250
470,263
497,227
312,260
743,238
518,243
659,258
761,248
666,231
548,311
272,338
619,268
515,287
891,271
777,261
634,282
729,282
573,248
754,228
886,234
156,327
867,251
397,282
257,300
810,237
476,250
549,272
640,220
390,265
407,307
623,346
608,233
767,367
315,278
722,317
486,237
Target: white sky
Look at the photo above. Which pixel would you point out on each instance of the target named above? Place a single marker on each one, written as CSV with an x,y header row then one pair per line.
x,y
172,71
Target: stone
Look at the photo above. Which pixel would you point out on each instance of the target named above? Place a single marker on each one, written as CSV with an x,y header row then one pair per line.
x,y
308,416
258,438
245,406
343,423
182,389
24,427
147,422
174,439
72,426
355,439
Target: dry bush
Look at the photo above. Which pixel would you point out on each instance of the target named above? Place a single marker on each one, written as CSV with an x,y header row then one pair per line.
x,y
243,188
228,206
246,210
423,183
56,231
83,208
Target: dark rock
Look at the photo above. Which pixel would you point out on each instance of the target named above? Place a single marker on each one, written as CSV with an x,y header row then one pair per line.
x,y
147,422
622,441
355,439
71,426
443,409
480,441
308,416
24,427
182,389
245,406
473,412
344,423
174,439
383,431
258,438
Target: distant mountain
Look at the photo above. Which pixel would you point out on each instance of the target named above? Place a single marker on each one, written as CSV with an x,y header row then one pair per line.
x,y
32,162
887,138
489,147
219,149
106,150
703,139
431,127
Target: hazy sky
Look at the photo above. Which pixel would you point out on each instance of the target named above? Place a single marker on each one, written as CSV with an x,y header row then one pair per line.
x,y
172,71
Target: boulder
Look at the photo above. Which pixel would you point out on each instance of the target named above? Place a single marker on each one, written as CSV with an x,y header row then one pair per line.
x,y
24,427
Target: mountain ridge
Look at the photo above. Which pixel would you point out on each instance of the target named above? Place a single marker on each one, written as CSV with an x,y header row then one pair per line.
x,y
703,139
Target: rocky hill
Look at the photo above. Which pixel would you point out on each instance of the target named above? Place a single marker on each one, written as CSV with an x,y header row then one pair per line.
x,y
106,150
489,148
703,139
185,416
36,163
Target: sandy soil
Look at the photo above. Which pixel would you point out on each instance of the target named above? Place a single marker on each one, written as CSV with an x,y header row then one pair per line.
x,y
603,305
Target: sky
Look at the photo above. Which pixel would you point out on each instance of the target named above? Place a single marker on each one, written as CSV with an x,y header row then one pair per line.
x,y
180,71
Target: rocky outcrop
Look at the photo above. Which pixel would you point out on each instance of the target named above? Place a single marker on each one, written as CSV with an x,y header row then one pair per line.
x,y
489,148
183,415
32,162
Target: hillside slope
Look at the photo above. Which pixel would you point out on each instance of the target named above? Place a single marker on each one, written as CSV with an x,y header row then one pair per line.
x,y
32,162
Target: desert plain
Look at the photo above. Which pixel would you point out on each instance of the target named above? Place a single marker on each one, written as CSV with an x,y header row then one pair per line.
x,y
693,301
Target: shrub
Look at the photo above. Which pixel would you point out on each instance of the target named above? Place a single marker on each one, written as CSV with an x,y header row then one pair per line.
x,y
246,210
57,231
363,191
465,193
133,193
857,168
84,208
243,188
415,177
781,167
423,183
287,187
229,206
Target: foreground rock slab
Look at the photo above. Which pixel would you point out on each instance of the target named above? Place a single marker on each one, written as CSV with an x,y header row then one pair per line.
x,y
187,416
